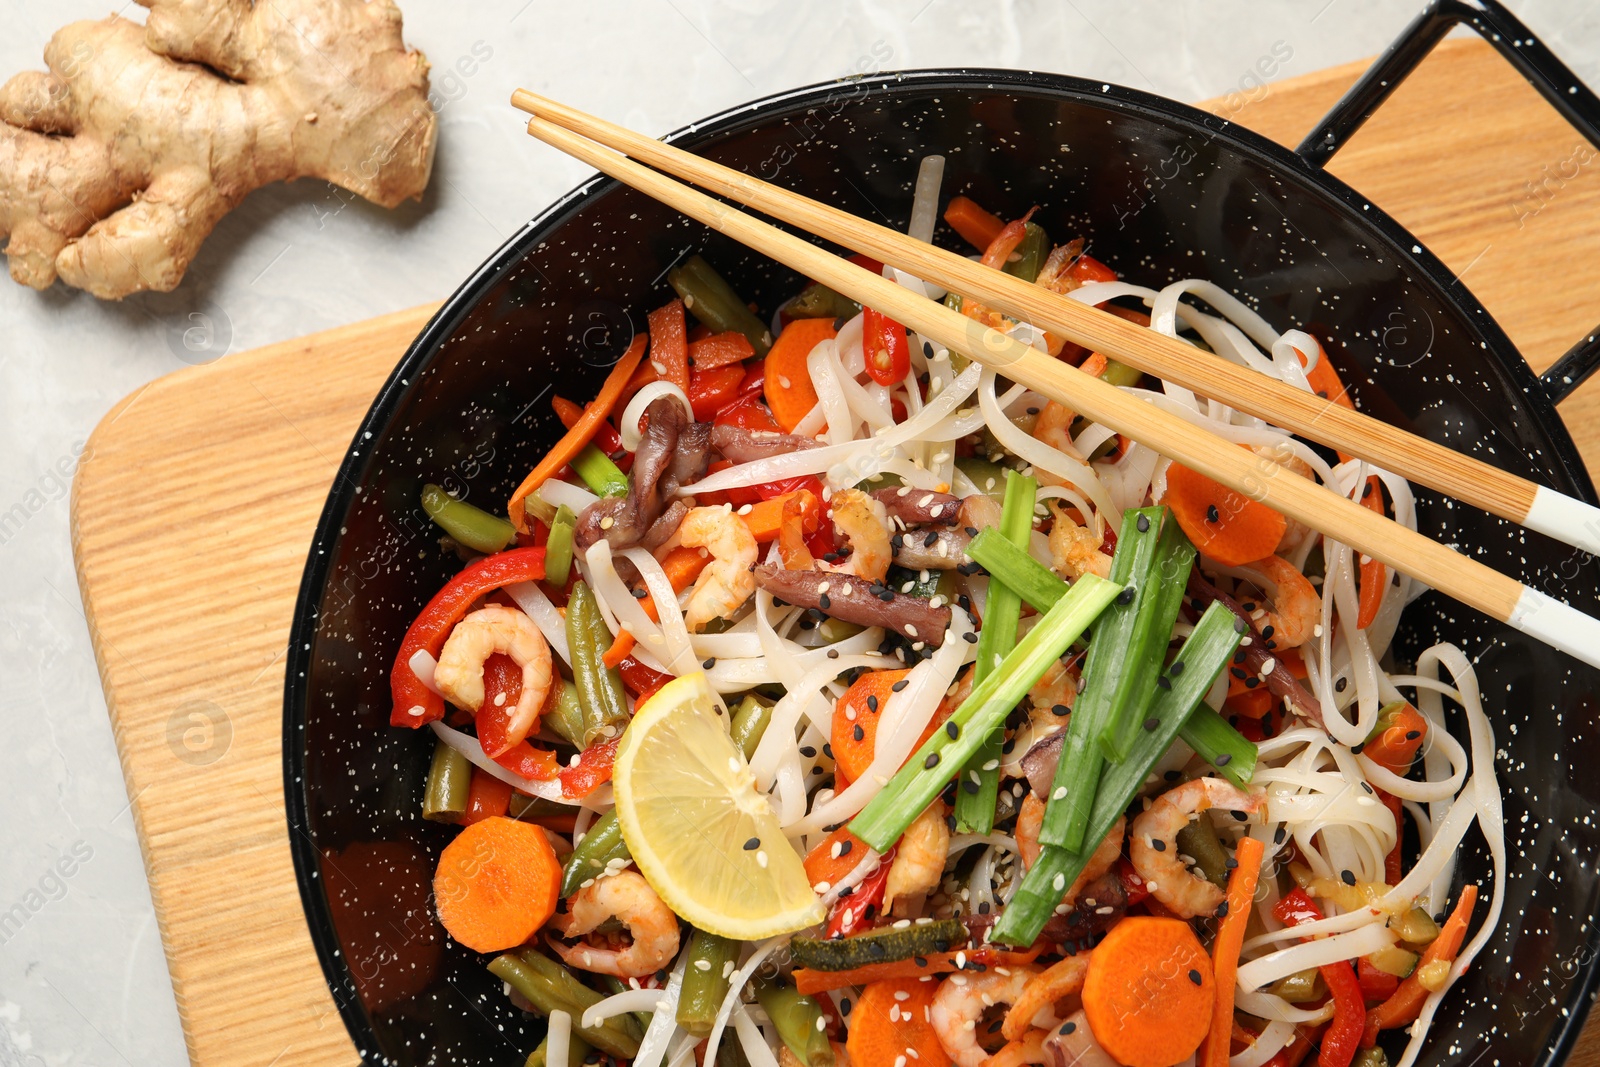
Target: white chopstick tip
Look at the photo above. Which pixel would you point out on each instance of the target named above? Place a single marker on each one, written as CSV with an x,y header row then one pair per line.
x,y
1565,518
1558,625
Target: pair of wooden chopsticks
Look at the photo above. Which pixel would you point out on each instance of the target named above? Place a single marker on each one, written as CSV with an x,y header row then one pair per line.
x,y
592,140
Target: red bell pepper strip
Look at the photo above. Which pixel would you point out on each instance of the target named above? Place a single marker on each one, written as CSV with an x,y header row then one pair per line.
x,y
746,411
414,703
487,797
640,679
1375,984
502,688
1391,863
1343,1036
849,913
785,486
1133,886
525,761
888,351
866,262
712,390
592,770
1088,269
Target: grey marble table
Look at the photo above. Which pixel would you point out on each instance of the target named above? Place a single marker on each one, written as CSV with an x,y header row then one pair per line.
x,y
82,976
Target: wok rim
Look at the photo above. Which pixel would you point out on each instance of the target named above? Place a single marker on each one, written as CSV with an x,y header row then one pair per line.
x,y
1408,250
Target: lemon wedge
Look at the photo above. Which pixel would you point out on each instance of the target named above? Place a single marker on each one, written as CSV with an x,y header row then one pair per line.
x,y
701,834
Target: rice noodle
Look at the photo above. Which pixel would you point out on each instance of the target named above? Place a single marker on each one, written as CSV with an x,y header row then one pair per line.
x,y
664,1023
534,604
628,426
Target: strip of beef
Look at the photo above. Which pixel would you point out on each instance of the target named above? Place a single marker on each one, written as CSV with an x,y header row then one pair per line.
x,y
1253,656
1040,763
739,445
918,507
673,451
852,599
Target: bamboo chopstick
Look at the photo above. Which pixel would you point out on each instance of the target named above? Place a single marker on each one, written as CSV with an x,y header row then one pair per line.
x,y
1442,568
1418,459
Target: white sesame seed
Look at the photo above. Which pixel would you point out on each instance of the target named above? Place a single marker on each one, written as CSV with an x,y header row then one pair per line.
x,y
761,859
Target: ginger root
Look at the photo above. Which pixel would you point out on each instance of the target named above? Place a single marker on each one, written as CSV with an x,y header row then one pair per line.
x,y
118,161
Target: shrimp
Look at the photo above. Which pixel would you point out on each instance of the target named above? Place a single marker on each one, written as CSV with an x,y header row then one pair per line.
x,y
727,581
1296,607
1105,856
491,629
964,998
625,896
1054,427
1153,844
1295,532
865,524
1075,550
1057,686
920,859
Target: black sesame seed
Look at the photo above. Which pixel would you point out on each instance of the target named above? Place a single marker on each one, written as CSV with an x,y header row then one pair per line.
x,y
931,539
1412,735
1251,682
1172,776
845,847
972,531
1239,655
1126,596
823,601
844,1002
1143,524
1176,668
927,349
872,702
752,844
640,594
1278,835
1194,976
901,684
886,596
1248,605
838,323
807,751
1067,1028
1224,759
858,733
953,730
1152,724
1060,709
1348,877
1237,672
970,638
827,750
1164,682
983,907
970,786
1222,910
709,662
1340,685
920,961
994,1027
931,762
1211,513
1159,845
1267,631
1240,626
1241,816
1232,863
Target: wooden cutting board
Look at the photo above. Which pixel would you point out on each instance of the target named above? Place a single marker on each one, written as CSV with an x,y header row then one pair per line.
x,y
189,584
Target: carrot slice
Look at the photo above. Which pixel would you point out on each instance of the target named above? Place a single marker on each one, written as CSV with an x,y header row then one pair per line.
x,y
812,982
1224,525
496,884
765,519
1406,1002
1396,746
720,350
788,389
487,797
585,428
1374,575
855,720
1149,993
975,225
1225,950
891,1022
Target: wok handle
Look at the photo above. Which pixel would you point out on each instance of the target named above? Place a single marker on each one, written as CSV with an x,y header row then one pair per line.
x,y
1524,51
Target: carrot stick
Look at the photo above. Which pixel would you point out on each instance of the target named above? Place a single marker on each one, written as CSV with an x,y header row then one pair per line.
x,y
975,225
890,1023
1225,950
1405,1003
835,857
1149,993
765,519
1374,576
1396,746
496,884
669,344
572,443
788,388
1224,525
683,566
855,720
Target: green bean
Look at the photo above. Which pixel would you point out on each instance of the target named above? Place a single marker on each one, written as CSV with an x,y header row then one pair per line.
x,y
817,301
798,1019
705,981
468,525
605,706
601,845
558,549
449,778
1028,256
713,301
1198,840
564,716
750,720
578,1050
601,475
549,987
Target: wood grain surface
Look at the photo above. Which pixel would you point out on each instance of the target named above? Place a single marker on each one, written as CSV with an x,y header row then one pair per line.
x,y
189,584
